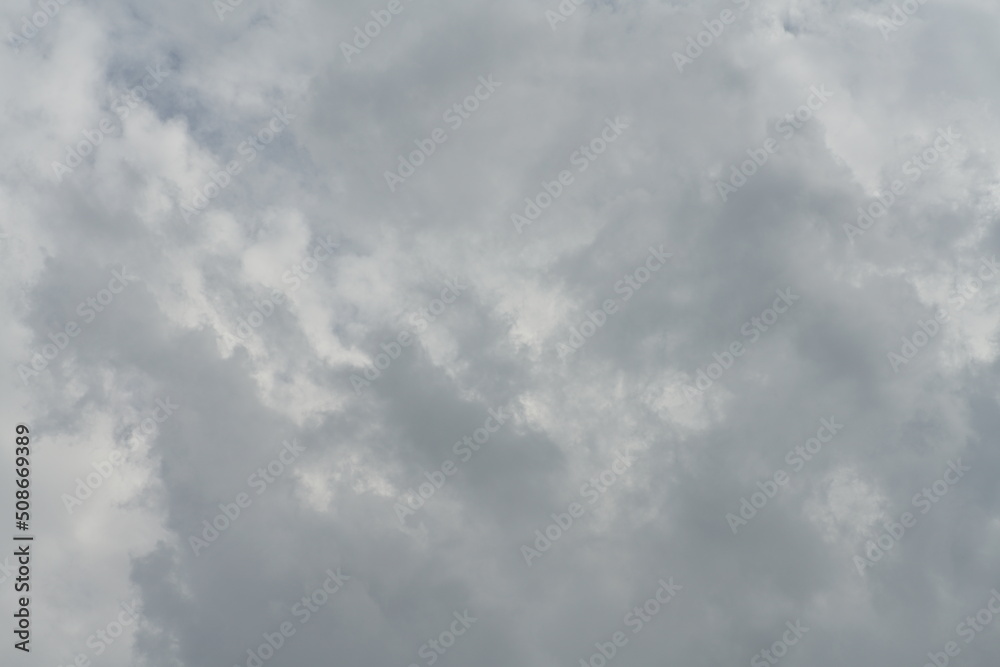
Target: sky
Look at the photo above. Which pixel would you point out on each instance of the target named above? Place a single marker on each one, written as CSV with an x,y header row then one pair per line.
x,y
526,333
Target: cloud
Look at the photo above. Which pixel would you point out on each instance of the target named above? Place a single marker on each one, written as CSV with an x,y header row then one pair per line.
x,y
180,328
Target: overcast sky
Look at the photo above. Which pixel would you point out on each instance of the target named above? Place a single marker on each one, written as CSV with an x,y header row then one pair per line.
x,y
705,293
